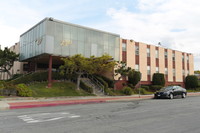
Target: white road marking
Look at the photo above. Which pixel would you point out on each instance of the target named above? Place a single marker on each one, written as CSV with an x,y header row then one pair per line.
x,y
75,116
45,117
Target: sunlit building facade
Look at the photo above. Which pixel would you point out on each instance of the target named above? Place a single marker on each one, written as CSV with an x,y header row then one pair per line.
x,y
150,59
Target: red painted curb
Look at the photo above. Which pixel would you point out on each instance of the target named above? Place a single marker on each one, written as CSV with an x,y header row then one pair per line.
x,y
21,105
54,104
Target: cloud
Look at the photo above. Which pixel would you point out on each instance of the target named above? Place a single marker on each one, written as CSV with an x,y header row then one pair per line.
x,y
174,23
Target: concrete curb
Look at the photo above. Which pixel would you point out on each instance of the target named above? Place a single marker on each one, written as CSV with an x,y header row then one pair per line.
x,y
5,105
34,103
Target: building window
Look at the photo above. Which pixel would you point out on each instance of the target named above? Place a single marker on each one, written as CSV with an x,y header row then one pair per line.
x,y
157,54
187,58
148,70
174,72
183,72
157,69
166,71
148,52
183,58
137,50
165,54
187,72
136,67
173,56
123,46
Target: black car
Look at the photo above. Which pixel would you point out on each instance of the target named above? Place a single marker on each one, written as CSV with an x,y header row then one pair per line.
x,y
170,92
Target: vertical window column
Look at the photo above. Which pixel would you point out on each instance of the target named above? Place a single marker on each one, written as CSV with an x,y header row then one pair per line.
x,y
183,66
157,58
148,73
166,64
166,59
166,74
137,54
187,58
173,63
124,50
174,74
137,67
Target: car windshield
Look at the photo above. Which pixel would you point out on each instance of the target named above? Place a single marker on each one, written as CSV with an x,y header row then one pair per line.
x,y
167,88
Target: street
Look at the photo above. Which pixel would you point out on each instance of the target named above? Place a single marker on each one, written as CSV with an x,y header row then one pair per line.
x,y
144,116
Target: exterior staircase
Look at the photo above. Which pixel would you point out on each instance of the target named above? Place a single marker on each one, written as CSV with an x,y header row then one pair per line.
x,y
98,88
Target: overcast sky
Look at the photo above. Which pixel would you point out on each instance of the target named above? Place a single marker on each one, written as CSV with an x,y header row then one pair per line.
x,y
174,23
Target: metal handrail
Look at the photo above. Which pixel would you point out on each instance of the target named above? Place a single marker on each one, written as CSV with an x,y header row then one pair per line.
x,y
95,81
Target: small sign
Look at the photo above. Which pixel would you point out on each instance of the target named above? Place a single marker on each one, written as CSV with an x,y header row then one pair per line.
x,y
38,41
65,42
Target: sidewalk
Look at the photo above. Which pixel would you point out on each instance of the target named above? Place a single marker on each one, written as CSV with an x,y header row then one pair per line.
x,y
19,103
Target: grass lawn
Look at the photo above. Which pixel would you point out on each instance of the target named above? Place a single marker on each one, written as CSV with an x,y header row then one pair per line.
x,y
58,89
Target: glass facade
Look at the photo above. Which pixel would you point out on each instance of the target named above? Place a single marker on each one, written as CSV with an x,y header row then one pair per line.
x,y
63,39
32,43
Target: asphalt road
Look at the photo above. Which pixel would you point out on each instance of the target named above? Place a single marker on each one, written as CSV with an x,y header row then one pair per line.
x,y
146,116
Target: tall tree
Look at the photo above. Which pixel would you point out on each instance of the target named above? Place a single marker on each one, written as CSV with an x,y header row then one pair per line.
x,y
197,72
121,70
7,59
79,65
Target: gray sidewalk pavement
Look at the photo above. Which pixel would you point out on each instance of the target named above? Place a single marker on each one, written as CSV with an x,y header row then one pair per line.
x,y
30,102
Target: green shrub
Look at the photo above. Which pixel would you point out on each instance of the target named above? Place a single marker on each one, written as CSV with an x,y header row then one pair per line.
x,y
145,87
158,79
8,88
191,82
134,77
110,92
155,87
1,87
85,87
142,91
23,90
199,83
127,90
131,86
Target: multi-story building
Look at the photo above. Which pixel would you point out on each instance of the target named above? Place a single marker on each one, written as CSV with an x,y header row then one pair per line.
x,y
45,43
150,59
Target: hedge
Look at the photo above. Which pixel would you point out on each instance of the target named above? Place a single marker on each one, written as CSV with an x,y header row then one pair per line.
x,y
191,82
155,87
127,90
142,91
145,87
158,79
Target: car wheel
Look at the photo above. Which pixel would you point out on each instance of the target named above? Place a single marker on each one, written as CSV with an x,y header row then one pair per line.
x,y
183,95
171,96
